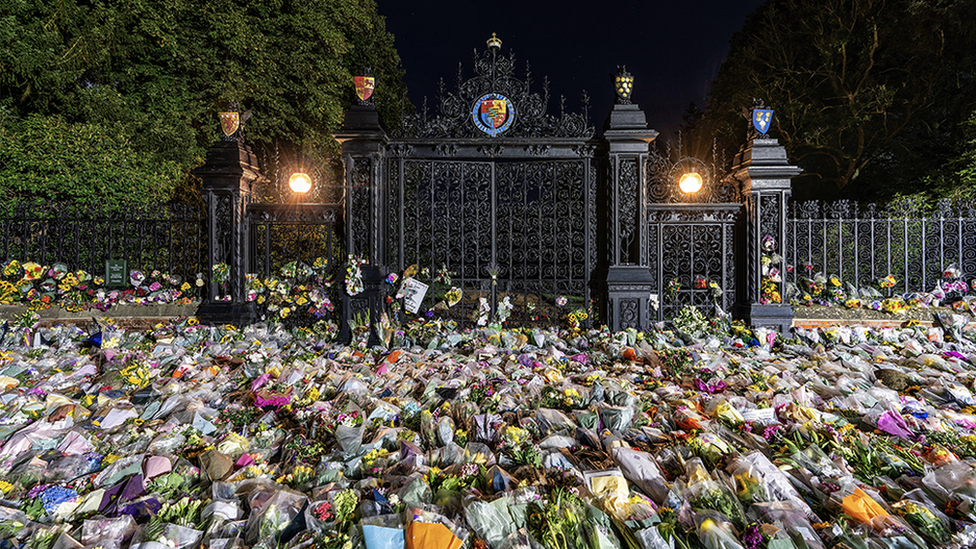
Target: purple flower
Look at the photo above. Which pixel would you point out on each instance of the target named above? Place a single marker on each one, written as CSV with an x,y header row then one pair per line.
x,y
752,537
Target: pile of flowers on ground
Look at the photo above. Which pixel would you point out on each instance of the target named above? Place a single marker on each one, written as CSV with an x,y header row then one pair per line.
x,y
40,287
706,435
830,291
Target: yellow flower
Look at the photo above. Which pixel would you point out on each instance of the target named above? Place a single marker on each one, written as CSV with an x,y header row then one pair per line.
x,y
192,321
186,286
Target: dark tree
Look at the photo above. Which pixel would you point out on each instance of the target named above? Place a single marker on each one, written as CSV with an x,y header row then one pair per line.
x,y
869,94
152,73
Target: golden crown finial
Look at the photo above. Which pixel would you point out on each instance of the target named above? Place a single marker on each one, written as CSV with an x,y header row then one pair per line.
x,y
494,43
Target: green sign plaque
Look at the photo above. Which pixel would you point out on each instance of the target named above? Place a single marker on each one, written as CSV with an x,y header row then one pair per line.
x,y
115,273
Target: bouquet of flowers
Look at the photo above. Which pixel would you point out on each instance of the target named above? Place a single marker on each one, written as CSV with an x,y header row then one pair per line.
x,y
354,275
557,523
349,428
934,528
705,494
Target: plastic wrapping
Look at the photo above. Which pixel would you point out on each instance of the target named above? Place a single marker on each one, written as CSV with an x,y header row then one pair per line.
x,y
489,430
642,469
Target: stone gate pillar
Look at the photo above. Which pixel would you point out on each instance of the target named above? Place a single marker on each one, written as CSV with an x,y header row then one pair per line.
x,y
229,177
765,174
363,153
629,282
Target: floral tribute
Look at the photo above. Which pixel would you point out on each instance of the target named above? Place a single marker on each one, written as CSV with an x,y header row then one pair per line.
x,y
41,287
830,291
770,281
705,433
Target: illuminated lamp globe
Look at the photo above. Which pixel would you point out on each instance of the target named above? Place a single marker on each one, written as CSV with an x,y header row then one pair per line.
x,y
300,183
690,183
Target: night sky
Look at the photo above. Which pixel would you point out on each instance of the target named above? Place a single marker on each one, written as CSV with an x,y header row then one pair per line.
x,y
672,48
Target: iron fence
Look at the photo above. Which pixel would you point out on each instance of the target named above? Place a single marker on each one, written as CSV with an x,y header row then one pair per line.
x,y
170,237
861,244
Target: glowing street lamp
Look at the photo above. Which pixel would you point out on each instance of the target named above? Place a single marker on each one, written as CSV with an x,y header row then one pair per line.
x,y
300,183
690,183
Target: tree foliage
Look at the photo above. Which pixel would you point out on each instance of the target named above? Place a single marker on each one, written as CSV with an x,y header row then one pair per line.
x,y
865,91
46,157
152,73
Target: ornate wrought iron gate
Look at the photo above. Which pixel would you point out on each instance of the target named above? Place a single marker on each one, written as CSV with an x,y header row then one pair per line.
x,y
505,197
494,190
691,246
692,241
525,220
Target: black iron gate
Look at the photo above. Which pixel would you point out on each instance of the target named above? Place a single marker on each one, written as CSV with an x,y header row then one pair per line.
x,y
282,233
310,235
500,197
692,250
496,193
511,228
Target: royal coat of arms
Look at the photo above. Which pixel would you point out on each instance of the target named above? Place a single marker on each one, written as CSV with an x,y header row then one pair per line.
x,y
761,119
229,122
493,114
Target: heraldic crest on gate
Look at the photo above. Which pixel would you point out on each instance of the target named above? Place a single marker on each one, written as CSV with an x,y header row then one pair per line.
x,y
496,103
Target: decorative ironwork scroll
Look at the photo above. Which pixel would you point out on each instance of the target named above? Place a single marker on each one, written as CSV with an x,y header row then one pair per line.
x,y
494,102
662,185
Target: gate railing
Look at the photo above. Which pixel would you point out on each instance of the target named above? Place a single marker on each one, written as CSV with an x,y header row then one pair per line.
x,y
282,233
170,237
861,244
